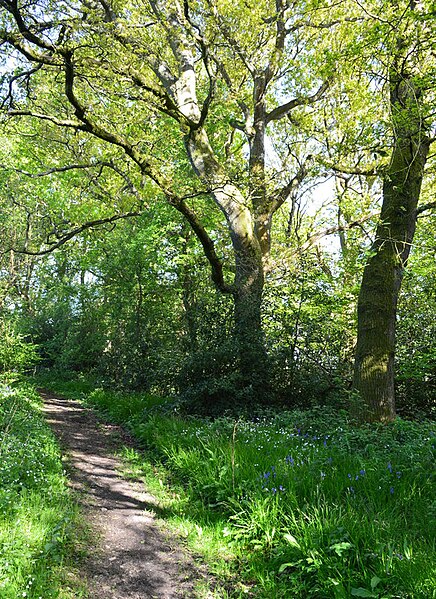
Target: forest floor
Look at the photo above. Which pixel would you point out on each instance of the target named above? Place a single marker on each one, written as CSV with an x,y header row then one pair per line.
x,y
131,557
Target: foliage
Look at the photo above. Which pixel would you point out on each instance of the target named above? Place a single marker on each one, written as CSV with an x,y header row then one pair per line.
x,y
416,383
38,523
16,355
285,106
302,503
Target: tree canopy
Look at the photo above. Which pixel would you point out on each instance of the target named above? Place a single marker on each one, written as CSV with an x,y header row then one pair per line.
x,y
203,136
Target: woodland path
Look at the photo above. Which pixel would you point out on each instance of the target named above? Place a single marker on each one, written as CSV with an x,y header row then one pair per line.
x,y
131,557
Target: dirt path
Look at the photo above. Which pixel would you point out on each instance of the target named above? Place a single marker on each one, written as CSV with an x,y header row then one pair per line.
x,y
132,558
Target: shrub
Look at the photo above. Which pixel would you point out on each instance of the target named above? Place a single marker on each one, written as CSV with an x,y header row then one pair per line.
x,y
16,354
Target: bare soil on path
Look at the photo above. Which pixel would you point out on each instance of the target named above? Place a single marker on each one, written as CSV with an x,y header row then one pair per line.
x,y
132,557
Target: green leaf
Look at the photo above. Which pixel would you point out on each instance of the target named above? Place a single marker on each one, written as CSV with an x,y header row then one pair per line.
x,y
284,567
375,580
361,592
292,540
339,548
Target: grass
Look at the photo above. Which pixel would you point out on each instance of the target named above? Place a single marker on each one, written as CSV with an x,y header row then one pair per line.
x,y
297,504
38,518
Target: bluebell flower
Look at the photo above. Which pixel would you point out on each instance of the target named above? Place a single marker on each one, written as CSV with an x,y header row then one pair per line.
x,y
391,490
390,467
398,474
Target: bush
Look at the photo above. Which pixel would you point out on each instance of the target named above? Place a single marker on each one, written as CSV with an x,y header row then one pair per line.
x,y
16,355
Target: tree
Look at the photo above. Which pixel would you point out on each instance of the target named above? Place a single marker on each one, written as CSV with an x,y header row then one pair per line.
x,y
203,82
408,37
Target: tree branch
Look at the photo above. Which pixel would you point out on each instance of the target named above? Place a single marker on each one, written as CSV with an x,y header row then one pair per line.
x,y
8,100
51,171
285,109
230,39
76,231
97,130
206,61
12,7
48,117
425,207
313,239
279,43
206,242
283,194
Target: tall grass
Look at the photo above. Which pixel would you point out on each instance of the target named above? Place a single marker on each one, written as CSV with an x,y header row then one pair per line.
x,y
38,519
297,504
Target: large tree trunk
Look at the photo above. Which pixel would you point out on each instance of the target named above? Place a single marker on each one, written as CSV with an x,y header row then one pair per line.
x,y
374,371
375,349
249,250
248,332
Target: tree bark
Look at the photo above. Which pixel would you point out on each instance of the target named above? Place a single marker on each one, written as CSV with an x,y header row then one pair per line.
x,y
374,369
248,331
249,252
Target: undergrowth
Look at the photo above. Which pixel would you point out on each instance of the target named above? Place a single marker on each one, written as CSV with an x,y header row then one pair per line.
x,y
38,519
299,504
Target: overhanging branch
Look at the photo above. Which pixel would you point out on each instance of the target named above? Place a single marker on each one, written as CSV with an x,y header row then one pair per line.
x,y
54,170
73,233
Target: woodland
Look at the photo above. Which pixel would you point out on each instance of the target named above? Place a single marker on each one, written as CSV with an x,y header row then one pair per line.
x,y
220,217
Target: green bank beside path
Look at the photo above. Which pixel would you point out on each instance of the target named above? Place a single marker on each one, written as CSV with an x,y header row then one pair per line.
x,y
39,532
297,504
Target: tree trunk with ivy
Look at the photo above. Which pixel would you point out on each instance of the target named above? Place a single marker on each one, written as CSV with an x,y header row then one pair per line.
x,y
374,369
248,331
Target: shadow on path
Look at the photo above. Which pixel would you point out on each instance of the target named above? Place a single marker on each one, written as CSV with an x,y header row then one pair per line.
x,y
132,559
